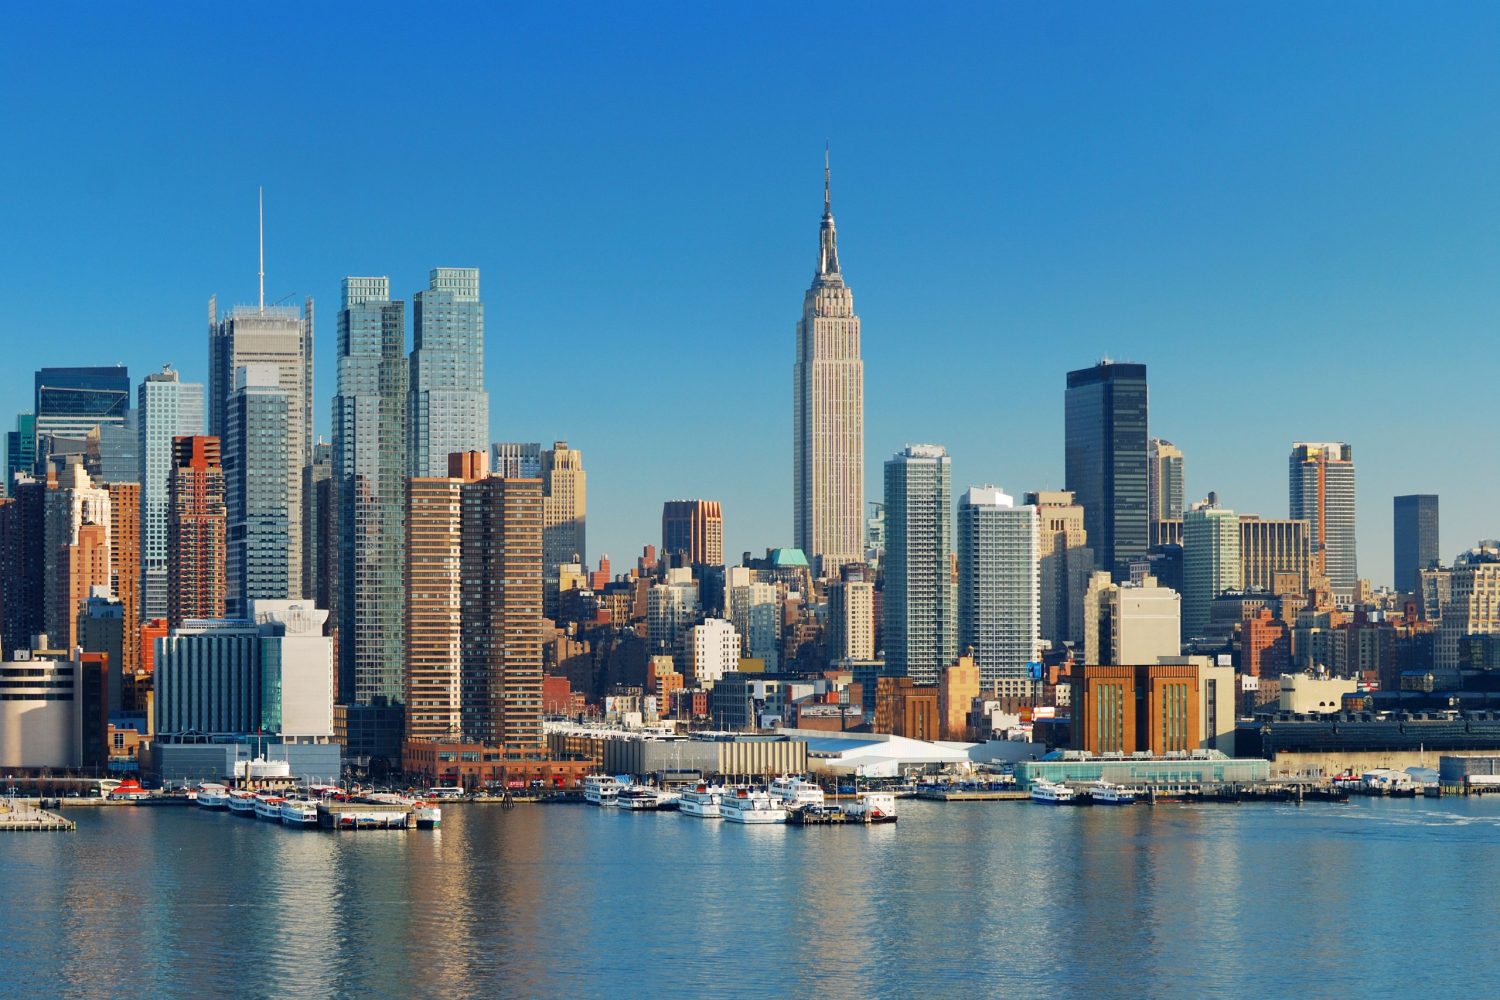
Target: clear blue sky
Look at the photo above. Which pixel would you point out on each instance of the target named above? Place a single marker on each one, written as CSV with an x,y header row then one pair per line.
x,y
1289,213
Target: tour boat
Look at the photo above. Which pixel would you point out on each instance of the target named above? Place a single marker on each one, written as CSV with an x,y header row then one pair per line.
x,y
636,797
268,806
1106,794
796,792
601,790
213,796
702,802
751,805
873,807
1050,794
242,802
299,812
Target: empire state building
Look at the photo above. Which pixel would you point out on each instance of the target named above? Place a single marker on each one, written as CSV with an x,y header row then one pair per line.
x,y
828,413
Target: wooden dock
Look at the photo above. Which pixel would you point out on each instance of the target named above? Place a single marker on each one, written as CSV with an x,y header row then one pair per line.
x,y
21,817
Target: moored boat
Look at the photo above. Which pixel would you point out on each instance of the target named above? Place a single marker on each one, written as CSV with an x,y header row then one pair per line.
x,y
873,807
796,792
1051,794
299,812
1105,793
751,805
601,790
702,802
242,802
427,815
268,806
212,796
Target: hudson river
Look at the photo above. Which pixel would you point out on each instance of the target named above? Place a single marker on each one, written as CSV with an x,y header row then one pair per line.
x,y
958,900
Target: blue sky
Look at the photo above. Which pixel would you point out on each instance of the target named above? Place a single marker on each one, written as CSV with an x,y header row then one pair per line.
x,y
1289,213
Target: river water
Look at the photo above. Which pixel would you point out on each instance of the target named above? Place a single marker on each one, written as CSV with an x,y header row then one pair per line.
x,y
1370,898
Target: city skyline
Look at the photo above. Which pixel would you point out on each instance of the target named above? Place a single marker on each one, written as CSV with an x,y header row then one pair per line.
x,y
936,250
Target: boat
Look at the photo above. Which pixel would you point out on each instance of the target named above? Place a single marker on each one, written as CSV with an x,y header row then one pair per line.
x,y
702,802
427,815
601,790
1051,794
268,806
213,796
299,812
796,792
1105,793
637,797
242,802
751,805
873,807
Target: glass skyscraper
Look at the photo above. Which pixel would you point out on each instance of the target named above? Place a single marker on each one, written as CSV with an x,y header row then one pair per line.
x,y
1105,460
259,512
72,402
167,407
1416,541
369,476
448,408
920,629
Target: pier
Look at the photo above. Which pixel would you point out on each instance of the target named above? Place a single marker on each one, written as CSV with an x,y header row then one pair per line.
x,y
16,816
973,795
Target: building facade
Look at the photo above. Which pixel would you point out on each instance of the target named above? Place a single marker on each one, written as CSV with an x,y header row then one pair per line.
x,y
449,409
1210,561
564,518
828,417
1164,485
196,531
1105,464
1275,555
1416,539
168,408
369,486
694,531
999,583
1321,492
1066,563
263,557
920,623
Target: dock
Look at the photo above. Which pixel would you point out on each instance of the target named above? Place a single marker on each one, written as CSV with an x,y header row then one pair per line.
x,y
23,817
986,795
364,816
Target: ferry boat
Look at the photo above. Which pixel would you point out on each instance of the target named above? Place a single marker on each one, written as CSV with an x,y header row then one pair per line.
x,y
601,790
1047,793
751,805
242,803
213,796
796,792
702,802
1106,794
299,812
873,807
268,807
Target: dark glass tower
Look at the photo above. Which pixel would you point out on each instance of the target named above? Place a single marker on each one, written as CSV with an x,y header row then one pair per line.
x,y
1105,462
1416,539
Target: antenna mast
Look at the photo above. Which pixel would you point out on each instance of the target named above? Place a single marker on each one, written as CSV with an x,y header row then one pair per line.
x,y
262,201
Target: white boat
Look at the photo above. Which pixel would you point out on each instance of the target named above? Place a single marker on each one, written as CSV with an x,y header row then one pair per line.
x,y
601,790
242,803
1106,794
873,807
427,815
299,812
796,792
638,797
268,806
702,802
1050,794
213,796
751,805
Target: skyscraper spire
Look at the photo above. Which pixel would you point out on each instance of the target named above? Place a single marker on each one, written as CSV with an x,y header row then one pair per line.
x,y
261,205
828,240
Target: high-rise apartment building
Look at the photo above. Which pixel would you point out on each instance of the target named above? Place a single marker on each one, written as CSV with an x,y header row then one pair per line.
x,y
75,548
693,531
1164,496
919,615
125,563
369,486
1321,492
1275,554
1210,561
448,407
276,340
851,614
828,416
167,408
713,648
564,517
1473,604
196,527
999,583
1106,460
1066,563
1416,539
72,402
263,558
320,561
